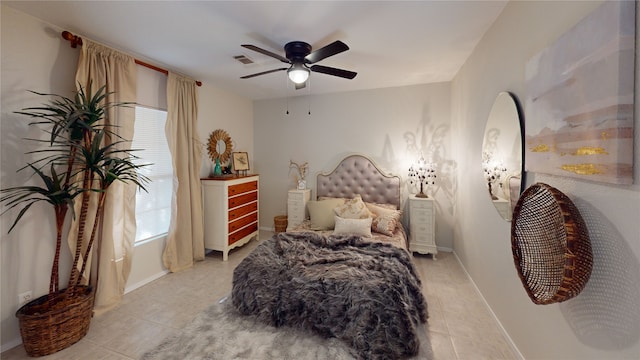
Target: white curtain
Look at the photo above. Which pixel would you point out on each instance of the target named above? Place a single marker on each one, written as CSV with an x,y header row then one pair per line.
x,y
185,242
99,66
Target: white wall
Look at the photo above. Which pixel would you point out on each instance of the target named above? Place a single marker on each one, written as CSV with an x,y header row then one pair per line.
x,y
390,125
32,59
603,322
35,57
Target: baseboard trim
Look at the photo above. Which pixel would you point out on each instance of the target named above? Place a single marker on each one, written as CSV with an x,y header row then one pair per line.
x,y
504,331
10,345
143,282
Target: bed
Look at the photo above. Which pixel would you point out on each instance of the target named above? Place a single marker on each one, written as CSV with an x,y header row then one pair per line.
x,y
358,176
333,279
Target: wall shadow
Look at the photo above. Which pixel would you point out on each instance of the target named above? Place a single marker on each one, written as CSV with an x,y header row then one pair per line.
x,y
606,315
431,141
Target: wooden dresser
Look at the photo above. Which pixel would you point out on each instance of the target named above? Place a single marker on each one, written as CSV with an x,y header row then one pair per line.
x,y
230,212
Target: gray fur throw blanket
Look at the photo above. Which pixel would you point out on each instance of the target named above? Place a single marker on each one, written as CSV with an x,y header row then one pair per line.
x,y
364,293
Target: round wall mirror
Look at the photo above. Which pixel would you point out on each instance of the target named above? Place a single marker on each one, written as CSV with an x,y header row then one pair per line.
x,y
502,163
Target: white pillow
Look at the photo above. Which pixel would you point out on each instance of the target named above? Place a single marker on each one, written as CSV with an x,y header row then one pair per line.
x,y
353,209
360,227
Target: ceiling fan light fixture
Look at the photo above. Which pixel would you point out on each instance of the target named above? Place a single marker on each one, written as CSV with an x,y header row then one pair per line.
x,y
298,73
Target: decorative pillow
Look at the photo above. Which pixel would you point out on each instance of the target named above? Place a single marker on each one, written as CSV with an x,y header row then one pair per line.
x,y
332,198
360,227
353,209
373,206
322,214
385,220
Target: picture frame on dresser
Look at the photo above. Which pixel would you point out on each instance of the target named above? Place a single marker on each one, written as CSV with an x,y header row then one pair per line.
x,y
240,162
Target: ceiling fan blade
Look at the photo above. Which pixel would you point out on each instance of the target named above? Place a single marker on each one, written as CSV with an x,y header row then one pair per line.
x,y
266,52
301,86
335,47
262,73
333,71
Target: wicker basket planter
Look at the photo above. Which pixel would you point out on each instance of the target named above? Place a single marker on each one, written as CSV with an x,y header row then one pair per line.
x,y
49,324
550,244
280,223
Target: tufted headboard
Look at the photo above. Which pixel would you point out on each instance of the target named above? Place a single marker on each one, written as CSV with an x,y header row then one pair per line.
x,y
357,174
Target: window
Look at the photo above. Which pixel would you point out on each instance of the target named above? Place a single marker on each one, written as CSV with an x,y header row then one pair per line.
x,y
153,208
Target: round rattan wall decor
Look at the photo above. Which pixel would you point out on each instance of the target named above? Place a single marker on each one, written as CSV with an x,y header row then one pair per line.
x,y
220,146
550,244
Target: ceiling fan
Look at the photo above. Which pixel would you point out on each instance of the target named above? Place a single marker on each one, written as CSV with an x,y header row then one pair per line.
x,y
298,54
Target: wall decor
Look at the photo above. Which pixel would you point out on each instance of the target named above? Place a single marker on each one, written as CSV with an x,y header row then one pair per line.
x,y
219,147
502,161
240,161
580,99
550,245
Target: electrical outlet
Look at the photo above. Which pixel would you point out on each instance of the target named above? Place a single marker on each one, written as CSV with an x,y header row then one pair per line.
x,y
24,298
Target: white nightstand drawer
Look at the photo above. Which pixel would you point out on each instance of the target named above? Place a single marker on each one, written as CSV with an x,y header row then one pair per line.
x,y
419,217
295,206
422,204
423,212
422,227
423,239
296,196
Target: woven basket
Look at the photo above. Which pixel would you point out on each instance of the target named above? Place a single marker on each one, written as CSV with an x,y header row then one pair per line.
x,y
550,244
46,331
280,223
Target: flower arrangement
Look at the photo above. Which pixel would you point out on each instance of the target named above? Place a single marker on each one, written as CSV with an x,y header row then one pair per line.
x,y
301,173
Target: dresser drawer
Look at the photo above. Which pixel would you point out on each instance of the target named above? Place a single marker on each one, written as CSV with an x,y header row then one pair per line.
x,y
422,229
242,188
242,222
295,218
241,211
422,205
295,206
242,199
428,211
296,196
242,233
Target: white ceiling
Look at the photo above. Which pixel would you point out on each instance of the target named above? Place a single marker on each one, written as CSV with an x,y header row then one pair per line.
x,y
392,43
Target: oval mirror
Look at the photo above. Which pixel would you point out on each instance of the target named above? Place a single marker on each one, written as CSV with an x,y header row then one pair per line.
x,y
502,162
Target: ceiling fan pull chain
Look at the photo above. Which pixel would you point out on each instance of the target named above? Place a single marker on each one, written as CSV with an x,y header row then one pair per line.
x,y
286,86
309,93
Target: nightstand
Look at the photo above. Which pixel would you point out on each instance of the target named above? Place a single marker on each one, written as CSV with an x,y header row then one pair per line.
x,y
297,207
504,208
422,226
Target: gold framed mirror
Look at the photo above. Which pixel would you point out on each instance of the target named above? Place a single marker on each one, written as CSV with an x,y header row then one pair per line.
x,y
220,146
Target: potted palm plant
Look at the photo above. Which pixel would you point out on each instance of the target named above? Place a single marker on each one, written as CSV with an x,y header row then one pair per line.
x,y
76,164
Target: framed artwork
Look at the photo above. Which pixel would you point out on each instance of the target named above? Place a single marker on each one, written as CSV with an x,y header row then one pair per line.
x,y
580,99
240,161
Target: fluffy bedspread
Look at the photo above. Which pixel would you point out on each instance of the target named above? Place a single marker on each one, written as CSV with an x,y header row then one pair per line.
x,y
364,293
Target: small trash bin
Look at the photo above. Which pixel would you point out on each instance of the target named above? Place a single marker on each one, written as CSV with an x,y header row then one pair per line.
x,y
280,223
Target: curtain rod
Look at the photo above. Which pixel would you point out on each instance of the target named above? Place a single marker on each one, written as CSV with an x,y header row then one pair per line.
x,y
76,40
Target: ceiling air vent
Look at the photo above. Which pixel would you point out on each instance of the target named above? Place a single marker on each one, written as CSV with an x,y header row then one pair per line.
x,y
243,59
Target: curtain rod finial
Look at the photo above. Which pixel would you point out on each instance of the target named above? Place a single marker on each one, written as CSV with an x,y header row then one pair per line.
x,y
75,40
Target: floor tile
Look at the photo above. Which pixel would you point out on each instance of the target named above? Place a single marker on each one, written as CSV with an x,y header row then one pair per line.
x,y
460,326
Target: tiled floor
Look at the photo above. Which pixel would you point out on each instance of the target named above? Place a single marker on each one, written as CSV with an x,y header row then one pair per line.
x,y
460,325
